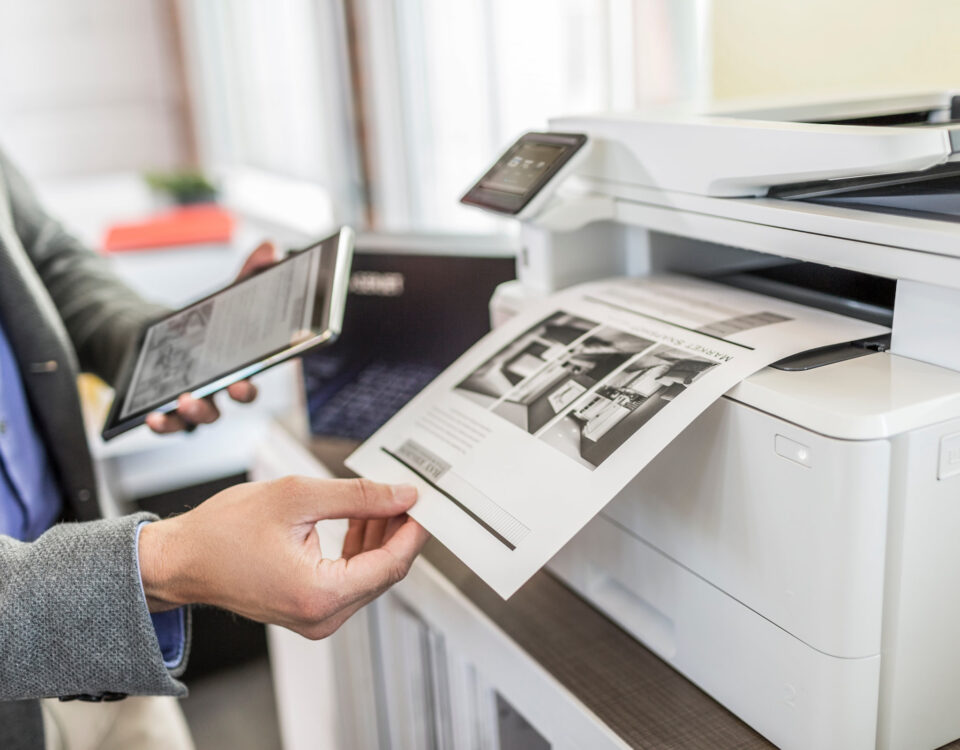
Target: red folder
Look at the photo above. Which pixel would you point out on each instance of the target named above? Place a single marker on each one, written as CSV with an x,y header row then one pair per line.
x,y
187,225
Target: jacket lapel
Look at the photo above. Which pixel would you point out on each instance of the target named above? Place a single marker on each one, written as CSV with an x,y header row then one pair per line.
x,y
48,366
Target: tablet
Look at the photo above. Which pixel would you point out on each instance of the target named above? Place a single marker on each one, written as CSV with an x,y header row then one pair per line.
x,y
294,305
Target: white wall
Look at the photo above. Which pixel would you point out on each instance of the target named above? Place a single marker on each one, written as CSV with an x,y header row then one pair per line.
x,y
90,86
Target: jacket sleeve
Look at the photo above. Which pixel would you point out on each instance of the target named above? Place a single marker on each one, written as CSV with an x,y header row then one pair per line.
x,y
73,618
103,316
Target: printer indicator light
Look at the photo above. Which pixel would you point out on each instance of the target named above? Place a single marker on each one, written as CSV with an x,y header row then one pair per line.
x,y
949,456
792,450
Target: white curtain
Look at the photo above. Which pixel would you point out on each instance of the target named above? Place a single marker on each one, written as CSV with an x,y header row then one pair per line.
x,y
442,85
271,91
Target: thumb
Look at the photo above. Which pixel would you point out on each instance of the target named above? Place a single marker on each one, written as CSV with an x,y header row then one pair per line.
x,y
264,255
319,499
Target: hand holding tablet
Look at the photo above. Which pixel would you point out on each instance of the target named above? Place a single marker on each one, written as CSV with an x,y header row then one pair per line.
x,y
215,343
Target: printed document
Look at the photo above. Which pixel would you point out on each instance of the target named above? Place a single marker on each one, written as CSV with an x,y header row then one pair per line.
x,y
526,437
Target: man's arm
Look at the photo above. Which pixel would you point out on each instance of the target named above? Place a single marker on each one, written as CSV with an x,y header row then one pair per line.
x,y
75,620
73,617
101,313
253,549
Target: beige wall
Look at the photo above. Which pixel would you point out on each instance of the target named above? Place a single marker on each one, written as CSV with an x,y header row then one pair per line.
x,y
764,48
90,86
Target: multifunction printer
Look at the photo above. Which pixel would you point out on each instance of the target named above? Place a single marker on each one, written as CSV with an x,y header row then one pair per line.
x,y
796,551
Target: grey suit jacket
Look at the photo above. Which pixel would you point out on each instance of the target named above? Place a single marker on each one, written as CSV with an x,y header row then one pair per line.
x,y
73,620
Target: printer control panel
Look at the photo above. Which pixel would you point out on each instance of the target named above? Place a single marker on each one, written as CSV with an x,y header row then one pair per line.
x,y
520,180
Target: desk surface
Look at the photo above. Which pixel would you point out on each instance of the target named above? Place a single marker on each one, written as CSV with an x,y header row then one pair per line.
x,y
644,700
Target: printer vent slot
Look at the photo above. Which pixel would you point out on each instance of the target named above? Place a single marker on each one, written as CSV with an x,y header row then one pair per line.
x,y
856,295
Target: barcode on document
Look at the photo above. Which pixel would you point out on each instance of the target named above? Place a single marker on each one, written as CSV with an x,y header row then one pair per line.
x,y
425,461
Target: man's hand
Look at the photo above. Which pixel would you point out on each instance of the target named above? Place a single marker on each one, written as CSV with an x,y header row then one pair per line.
x,y
194,411
253,549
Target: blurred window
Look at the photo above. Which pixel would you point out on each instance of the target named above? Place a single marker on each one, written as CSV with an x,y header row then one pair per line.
x,y
396,106
271,92
450,84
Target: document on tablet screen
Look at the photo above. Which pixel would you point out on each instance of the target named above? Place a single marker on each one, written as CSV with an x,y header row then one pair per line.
x,y
223,333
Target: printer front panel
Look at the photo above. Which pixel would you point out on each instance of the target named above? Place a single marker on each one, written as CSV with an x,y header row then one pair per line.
x,y
750,555
796,696
788,522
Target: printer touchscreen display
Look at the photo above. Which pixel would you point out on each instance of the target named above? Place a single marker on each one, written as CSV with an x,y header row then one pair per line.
x,y
527,163
523,172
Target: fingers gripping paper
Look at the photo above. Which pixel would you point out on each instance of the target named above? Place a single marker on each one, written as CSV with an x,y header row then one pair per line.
x,y
526,437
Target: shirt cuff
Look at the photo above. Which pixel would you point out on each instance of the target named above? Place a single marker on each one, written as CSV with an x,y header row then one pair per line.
x,y
168,626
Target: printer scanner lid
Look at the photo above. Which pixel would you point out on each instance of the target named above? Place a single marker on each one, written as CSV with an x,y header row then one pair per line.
x,y
783,151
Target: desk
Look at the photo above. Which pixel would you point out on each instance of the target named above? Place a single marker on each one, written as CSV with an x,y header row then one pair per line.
x,y
642,699
576,677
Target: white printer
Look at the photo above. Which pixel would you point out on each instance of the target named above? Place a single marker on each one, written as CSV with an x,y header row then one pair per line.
x,y
796,551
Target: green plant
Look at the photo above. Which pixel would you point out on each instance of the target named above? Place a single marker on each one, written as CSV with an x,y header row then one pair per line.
x,y
186,186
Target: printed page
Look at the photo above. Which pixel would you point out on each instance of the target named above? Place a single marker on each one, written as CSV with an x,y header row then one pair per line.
x,y
221,334
525,438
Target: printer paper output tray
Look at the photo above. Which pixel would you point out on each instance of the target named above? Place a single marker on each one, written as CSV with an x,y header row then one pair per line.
x,y
933,193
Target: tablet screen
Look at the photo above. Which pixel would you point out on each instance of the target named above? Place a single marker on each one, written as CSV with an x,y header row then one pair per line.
x,y
266,313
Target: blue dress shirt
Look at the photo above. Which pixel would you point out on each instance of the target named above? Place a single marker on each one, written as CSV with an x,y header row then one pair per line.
x,y
29,498
30,501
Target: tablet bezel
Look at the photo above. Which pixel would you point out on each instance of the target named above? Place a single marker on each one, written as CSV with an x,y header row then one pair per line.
x,y
326,328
